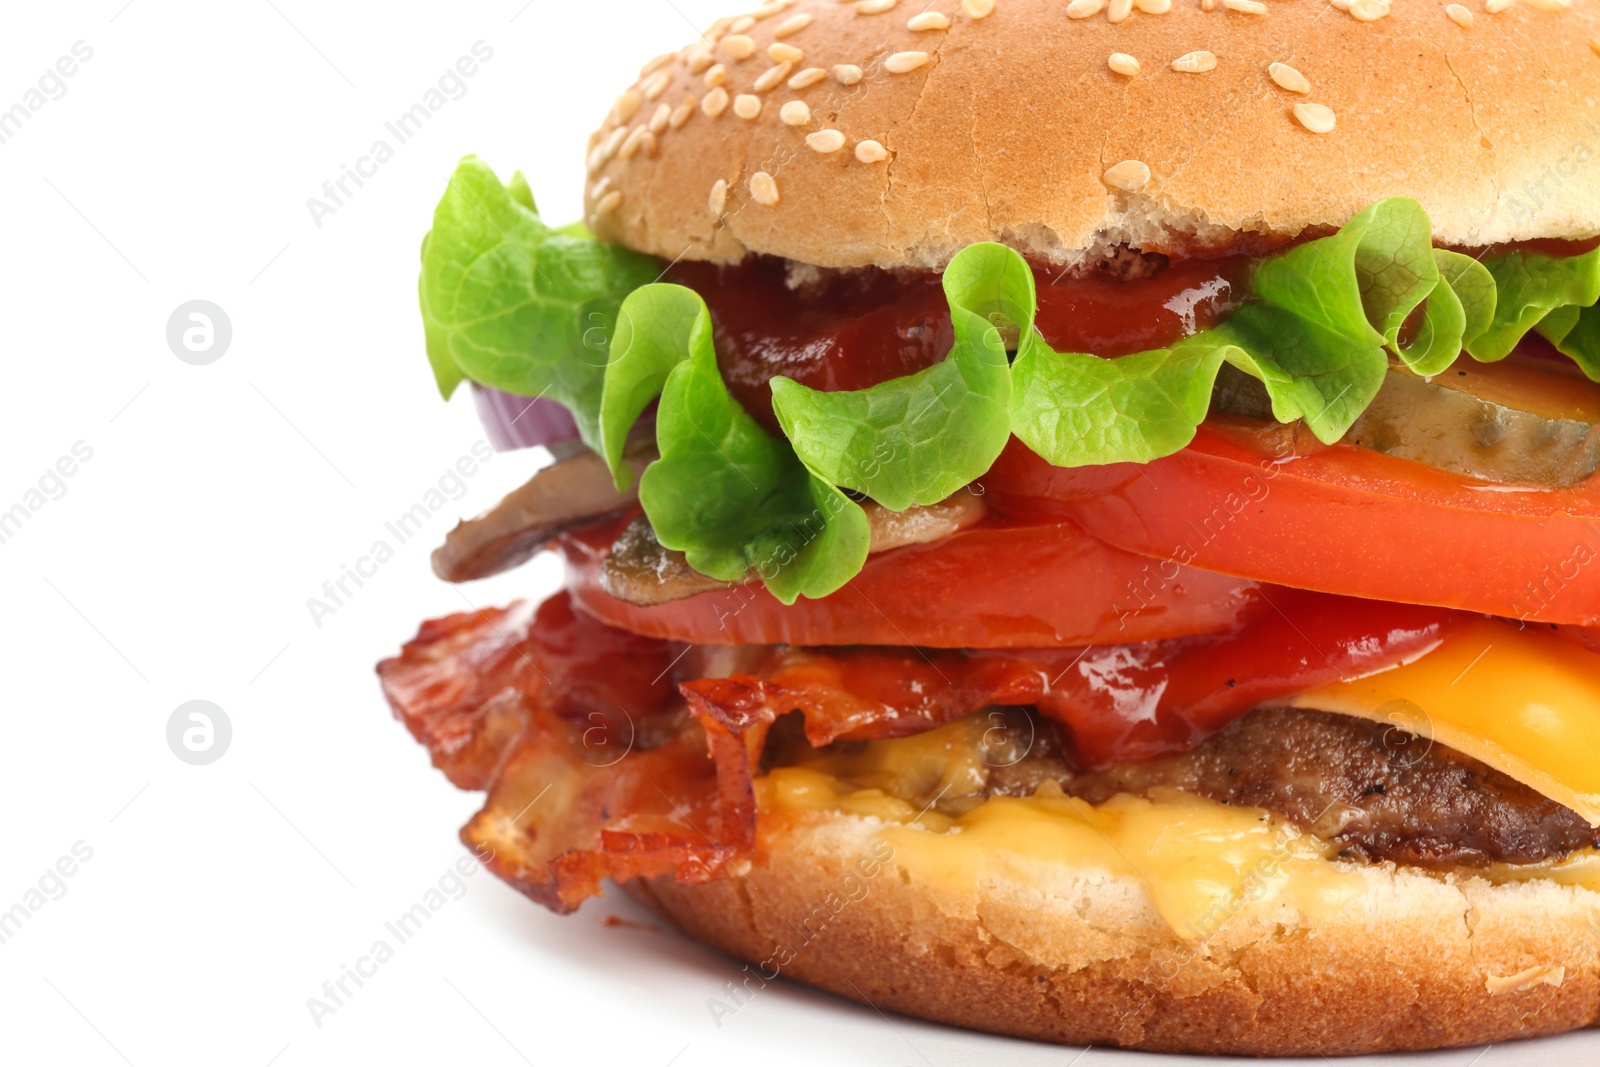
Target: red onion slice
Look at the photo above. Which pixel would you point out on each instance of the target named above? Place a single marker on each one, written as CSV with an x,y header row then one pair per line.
x,y
513,422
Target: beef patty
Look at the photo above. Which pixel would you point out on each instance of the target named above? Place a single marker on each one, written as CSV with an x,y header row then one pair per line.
x,y
1378,792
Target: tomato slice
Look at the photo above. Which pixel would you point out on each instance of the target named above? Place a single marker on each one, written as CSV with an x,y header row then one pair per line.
x,y
1273,505
993,585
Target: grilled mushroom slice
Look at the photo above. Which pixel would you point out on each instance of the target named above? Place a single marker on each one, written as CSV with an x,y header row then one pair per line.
x,y
573,492
640,571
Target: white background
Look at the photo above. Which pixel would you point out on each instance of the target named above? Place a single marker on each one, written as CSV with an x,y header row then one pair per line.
x,y
177,563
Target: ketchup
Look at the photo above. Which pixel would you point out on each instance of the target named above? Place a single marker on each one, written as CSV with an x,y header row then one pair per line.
x,y
1135,702
851,330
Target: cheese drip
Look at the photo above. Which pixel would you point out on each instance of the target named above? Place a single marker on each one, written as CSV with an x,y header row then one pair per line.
x,y
1522,701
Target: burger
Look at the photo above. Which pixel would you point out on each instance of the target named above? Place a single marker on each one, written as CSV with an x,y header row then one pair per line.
x,y
1080,518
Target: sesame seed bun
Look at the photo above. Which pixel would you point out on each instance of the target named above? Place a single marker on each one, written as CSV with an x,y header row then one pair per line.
x,y
1061,953
1015,127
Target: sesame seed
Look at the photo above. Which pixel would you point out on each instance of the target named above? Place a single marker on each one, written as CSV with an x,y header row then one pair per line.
x,y
1246,7
1153,7
1129,175
737,46
597,159
791,26
1082,9
614,142
874,7
795,113
600,188
1119,11
772,8
978,9
659,120
700,60
871,152
657,84
905,62
1123,63
1494,7
720,27
718,199
1211,5
742,24
656,64
1459,15
772,76
1315,117
1555,6
763,190
1369,10
807,78
608,203
627,106
747,106
847,73
928,20
825,141
636,140
784,53
1195,63
717,75
1289,78
715,103
683,114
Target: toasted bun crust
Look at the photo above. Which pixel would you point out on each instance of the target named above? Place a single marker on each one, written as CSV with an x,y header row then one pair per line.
x,y
1080,957
1008,130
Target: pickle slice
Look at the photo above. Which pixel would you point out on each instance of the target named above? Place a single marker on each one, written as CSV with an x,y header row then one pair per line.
x,y
1524,421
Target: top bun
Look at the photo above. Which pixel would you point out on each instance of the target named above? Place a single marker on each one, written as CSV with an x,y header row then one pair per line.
x,y
889,134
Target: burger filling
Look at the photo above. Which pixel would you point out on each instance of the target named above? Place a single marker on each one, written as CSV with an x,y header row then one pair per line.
x,y
1202,566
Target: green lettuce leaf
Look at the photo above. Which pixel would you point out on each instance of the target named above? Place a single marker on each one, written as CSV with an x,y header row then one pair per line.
x,y
1530,286
1076,409
1473,286
1328,308
1315,336
1310,372
516,305
657,327
1575,332
1437,343
1461,308
1133,409
919,438
727,494
512,304
1394,263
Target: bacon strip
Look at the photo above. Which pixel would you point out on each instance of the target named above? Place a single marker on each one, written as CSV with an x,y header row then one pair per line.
x,y
1118,702
597,767
576,731
868,694
460,688
562,817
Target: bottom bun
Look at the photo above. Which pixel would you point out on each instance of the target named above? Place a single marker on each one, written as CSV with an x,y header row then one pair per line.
x,y
1073,955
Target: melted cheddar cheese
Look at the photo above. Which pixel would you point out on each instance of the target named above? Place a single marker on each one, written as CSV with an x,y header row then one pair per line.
x,y
1199,862
1522,701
